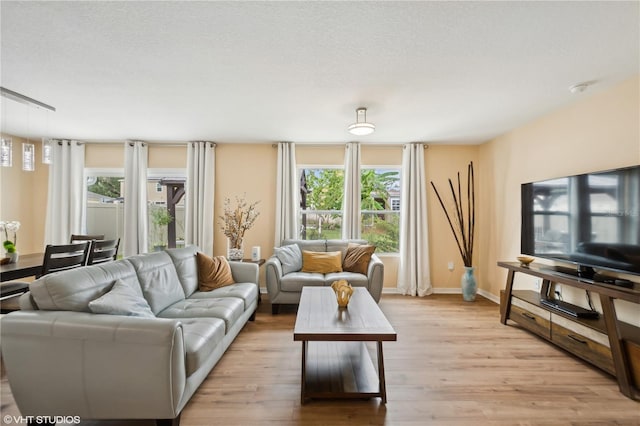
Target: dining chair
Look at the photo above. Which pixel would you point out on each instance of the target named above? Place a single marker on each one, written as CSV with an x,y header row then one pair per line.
x,y
65,256
9,292
76,238
103,251
56,258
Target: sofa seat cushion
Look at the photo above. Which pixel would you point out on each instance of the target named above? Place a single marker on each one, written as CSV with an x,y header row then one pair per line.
x,y
355,279
228,309
201,337
296,280
245,291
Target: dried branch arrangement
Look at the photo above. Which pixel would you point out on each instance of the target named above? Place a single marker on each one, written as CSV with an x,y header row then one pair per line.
x,y
462,228
236,221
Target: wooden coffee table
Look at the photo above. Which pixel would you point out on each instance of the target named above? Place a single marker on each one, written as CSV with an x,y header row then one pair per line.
x,y
335,359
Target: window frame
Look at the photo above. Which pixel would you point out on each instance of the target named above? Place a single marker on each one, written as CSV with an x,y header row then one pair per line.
x,y
301,212
390,209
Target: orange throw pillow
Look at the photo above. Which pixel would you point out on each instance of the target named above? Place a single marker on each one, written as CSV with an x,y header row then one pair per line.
x,y
213,272
321,262
357,258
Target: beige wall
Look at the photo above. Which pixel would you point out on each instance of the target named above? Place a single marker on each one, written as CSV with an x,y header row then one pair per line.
x,y
598,132
443,162
24,197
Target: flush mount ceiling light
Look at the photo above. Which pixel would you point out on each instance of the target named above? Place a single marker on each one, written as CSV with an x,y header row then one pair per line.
x,y
361,127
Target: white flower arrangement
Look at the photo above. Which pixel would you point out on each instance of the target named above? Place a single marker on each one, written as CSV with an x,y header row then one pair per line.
x,y
10,226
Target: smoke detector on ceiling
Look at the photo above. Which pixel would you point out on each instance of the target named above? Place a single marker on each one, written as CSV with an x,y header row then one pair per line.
x,y
581,87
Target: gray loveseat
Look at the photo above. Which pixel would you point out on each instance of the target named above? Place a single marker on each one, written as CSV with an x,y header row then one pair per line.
x,y
61,359
286,288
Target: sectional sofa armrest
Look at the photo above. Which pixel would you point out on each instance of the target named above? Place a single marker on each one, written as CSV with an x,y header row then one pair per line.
x,y
94,366
245,272
375,273
273,275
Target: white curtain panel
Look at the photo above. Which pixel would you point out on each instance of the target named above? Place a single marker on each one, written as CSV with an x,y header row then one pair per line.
x,y
201,165
351,201
413,272
135,198
287,190
66,205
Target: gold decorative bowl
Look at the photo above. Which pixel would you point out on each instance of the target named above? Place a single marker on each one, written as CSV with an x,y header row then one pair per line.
x,y
525,260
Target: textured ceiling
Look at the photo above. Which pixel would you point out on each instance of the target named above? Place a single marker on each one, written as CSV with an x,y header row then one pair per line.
x,y
440,72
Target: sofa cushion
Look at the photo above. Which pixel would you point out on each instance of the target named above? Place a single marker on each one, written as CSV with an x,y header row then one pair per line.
x,y
122,299
356,280
343,245
296,280
357,258
158,280
310,245
72,290
290,258
184,259
321,262
213,272
201,337
228,309
245,291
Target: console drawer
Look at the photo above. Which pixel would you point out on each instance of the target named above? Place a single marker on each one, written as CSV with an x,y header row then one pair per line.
x,y
531,317
583,347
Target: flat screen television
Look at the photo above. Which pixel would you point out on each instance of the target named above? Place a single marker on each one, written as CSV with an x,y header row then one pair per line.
x,y
589,221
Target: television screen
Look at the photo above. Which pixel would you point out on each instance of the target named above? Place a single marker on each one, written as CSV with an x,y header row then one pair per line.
x,y
592,220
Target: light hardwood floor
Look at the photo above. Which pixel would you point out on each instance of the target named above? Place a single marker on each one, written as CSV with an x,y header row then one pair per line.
x,y
453,364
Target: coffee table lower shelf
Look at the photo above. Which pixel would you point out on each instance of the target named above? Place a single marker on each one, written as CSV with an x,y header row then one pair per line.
x,y
340,370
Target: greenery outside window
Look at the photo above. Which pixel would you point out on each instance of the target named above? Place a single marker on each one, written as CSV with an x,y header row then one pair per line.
x,y
321,190
321,196
380,207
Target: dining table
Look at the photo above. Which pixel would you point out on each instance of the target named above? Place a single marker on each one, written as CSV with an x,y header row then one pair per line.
x,y
28,265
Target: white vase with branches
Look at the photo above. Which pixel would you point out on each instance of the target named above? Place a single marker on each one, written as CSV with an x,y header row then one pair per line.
x,y
235,222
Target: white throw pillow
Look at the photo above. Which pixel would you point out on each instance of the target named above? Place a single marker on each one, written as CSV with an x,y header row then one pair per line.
x,y
121,300
291,258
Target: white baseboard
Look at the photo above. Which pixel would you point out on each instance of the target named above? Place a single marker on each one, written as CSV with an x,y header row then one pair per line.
x,y
481,292
391,290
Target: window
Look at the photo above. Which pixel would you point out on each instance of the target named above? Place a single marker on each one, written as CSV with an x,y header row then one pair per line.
x,y
321,193
321,190
105,205
380,211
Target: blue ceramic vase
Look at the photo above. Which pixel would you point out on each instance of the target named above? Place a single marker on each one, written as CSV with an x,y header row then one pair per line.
x,y
469,285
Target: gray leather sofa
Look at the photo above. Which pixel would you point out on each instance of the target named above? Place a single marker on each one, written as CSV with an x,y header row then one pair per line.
x,y
62,359
287,288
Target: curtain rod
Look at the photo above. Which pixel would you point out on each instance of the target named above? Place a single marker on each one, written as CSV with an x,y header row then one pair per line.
x,y
337,145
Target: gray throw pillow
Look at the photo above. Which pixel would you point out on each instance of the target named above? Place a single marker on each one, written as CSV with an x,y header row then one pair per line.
x,y
290,256
121,300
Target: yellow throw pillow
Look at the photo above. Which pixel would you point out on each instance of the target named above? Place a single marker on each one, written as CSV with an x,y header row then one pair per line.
x,y
321,262
357,258
213,272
